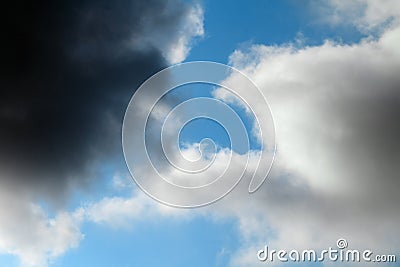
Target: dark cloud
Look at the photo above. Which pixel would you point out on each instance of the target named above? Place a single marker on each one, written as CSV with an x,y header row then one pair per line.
x,y
68,70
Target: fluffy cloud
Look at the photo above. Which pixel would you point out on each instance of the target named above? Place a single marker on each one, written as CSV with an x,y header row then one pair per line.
x,y
30,234
336,109
177,48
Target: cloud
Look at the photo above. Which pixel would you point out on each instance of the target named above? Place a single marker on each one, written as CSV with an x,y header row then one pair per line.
x,y
30,234
336,109
176,47
123,212
365,15
67,74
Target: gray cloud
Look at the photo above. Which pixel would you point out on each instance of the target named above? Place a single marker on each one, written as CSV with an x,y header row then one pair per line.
x,y
68,71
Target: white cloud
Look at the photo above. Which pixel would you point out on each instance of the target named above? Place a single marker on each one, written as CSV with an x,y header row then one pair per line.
x,y
37,239
336,109
175,44
192,26
116,212
120,182
27,232
366,15
119,212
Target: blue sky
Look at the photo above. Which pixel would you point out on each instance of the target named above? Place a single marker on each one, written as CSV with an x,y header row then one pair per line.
x,y
192,237
165,242
232,25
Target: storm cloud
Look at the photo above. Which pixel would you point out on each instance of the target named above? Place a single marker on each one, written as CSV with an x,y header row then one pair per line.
x,y
68,70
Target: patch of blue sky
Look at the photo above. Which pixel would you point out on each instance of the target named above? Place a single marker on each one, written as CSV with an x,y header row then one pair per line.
x,y
230,25
168,242
196,130
8,260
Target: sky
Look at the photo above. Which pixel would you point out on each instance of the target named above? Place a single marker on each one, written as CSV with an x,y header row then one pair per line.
x,y
329,71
